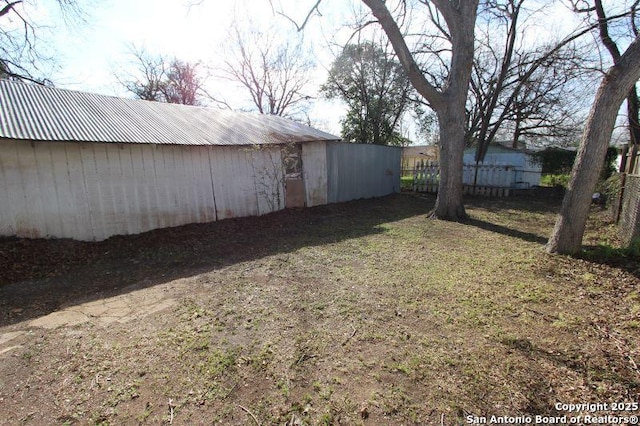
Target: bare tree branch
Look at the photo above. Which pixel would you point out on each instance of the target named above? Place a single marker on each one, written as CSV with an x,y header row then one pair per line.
x,y
604,32
302,26
428,91
275,75
8,7
20,57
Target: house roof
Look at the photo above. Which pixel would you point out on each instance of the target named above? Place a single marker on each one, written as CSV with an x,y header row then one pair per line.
x,y
497,149
419,150
35,112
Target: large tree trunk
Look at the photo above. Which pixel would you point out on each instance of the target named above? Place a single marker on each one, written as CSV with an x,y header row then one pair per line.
x,y
633,114
449,204
618,81
448,102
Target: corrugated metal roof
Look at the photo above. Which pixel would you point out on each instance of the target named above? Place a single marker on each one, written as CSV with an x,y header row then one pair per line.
x,y
34,112
497,149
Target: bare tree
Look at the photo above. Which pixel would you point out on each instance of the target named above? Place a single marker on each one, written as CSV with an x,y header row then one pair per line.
x,y
160,79
633,103
146,81
274,73
569,228
20,55
615,87
519,89
455,23
547,107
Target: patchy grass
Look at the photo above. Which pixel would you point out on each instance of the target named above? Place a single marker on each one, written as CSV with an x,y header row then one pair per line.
x,y
406,182
554,180
359,313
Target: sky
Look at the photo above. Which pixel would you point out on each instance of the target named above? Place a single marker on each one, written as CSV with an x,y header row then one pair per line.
x,y
91,50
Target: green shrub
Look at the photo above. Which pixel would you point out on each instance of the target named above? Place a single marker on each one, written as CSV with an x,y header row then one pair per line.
x,y
406,182
554,180
558,161
610,187
633,250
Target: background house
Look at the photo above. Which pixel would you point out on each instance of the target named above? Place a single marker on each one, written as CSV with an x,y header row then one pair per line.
x,y
419,155
86,166
502,166
502,170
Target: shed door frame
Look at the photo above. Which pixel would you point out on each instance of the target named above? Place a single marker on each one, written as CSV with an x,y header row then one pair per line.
x,y
293,175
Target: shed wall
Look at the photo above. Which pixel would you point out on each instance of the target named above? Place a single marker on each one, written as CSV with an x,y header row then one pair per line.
x,y
314,165
90,191
361,171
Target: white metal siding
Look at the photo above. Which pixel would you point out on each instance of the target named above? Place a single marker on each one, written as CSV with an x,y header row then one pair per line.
x,y
268,178
527,173
361,171
240,184
90,191
314,164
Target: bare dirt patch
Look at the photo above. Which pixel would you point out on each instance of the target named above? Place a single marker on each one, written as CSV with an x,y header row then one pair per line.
x,y
358,313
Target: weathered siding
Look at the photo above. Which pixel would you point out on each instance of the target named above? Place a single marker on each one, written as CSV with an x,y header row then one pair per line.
x,y
233,184
361,171
90,191
524,172
268,178
314,165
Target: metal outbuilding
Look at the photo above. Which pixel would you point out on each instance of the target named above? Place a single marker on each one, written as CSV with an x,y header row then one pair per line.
x,y
87,166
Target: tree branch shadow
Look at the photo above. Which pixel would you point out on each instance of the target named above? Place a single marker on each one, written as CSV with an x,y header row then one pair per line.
x,y
41,276
625,258
503,230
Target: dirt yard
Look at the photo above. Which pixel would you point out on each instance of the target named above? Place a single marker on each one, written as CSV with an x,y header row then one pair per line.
x,y
359,313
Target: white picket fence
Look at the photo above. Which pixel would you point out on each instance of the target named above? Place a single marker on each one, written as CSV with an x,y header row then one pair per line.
x,y
489,175
494,180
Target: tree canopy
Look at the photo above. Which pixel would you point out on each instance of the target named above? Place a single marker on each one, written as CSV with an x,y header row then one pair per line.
x,y
376,90
554,160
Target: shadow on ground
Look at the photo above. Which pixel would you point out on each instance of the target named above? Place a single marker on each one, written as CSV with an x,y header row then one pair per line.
x,y
515,228
43,275
533,204
38,277
503,230
543,401
626,259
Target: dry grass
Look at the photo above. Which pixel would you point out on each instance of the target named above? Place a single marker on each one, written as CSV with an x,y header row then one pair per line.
x,y
361,313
